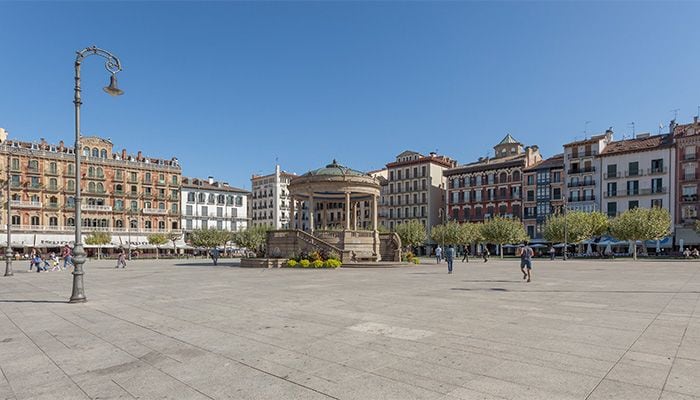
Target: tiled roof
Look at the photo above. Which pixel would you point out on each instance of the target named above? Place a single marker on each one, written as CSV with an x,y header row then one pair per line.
x,y
517,160
638,144
593,139
556,161
508,140
203,184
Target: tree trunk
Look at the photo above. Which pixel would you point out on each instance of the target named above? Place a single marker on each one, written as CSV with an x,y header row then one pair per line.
x,y
157,252
500,250
634,251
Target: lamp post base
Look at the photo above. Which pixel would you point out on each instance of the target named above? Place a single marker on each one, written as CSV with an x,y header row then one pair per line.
x,y
8,262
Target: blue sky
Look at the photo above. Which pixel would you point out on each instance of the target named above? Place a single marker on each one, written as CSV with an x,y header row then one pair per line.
x,y
229,87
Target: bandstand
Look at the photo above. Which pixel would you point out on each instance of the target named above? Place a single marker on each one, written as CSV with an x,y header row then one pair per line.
x,y
334,209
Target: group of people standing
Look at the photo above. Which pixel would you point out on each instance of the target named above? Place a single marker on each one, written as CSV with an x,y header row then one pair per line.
x,y
43,262
525,253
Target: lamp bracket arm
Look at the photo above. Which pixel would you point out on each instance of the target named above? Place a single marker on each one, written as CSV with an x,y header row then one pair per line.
x,y
112,63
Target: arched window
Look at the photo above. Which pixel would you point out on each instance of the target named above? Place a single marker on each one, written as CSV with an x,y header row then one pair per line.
x,y
34,198
503,177
221,199
161,206
35,221
201,197
86,151
53,200
34,165
147,224
53,221
53,168
71,185
95,152
119,223
70,201
91,172
16,220
119,188
161,225
134,224
134,205
100,187
70,222
103,153
100,172
146,204
91,187
516,176
53,184
147,177
103,223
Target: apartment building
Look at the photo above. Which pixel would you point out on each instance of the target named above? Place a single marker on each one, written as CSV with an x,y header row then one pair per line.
x,y
129,196
490,186
638,173
208,204
382,176
582,168
543,189
687,141
269,200
416,189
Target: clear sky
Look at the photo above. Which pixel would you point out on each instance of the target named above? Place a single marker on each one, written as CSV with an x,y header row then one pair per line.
x,y
229,87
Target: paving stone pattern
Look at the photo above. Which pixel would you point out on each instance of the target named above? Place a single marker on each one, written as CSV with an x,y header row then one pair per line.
x,y
188,330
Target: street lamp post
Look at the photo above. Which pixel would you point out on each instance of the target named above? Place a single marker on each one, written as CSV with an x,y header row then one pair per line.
x,y
8,249
566,236
113,65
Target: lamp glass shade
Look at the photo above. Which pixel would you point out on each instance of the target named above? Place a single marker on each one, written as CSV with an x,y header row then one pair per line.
x,y
112,89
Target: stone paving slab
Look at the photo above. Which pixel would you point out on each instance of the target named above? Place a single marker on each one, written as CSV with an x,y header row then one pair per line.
x,y
184,329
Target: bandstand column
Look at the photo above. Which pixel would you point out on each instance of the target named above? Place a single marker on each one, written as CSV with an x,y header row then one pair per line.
x,y
291,212
324,216
299,215
312,213
375,214
347,211
354,215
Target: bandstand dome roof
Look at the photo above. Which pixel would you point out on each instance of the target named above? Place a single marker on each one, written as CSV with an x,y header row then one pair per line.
x,y
335,169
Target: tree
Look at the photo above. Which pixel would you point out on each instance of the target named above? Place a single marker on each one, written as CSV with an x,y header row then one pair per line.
x,y
253,238
697,226
447,234
98,239
500,230
157,239
173,236
411,233
209,238
580,226
470,233
641,224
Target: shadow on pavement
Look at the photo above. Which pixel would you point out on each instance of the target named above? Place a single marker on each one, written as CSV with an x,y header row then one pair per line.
x,y
33,301
575,291
209,264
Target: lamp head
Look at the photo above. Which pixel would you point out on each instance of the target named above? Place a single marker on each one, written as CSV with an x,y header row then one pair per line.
x,y
112,89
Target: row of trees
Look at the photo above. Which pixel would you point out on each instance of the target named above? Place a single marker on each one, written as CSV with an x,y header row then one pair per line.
x,y
636,224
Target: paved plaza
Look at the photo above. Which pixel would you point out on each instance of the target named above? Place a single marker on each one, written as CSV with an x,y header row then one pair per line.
x,y
188,330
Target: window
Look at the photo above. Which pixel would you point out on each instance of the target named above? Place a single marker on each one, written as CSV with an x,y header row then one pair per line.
x,y
52,167
16,220
612,209
35,221
657,185
147,224
174,180
100,187
633,168
632,204
53,184
134,205
119,223
556,177
133,224
612,189
53,221
632,188
530,195
95,152
15,164
91,187
556,193
657,166
103,153
118,174
71,169
86,151
100,172
612,171
657,203
147,178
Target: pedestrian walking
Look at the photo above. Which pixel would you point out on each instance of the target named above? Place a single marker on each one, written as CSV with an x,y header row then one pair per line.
x,y
214,253
552,253
36,261
32,259
449,257
67,255
438,254
526,254
466,254
121,259
486,253
55,264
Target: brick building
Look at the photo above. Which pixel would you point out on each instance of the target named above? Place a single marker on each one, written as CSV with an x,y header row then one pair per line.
x,y
543,193
687,141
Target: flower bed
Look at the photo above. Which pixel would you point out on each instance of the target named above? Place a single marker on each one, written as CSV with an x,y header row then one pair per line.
x,y
314,260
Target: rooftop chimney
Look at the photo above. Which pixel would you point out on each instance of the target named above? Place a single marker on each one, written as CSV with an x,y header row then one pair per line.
x,y
139,156
60,145
211,180
123,154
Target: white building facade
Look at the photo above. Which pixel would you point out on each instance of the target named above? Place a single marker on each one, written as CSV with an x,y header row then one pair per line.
x,y
638,173
269,201
207,204
582,172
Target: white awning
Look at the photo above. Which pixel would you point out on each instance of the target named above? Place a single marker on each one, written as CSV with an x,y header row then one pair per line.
x,y
19,239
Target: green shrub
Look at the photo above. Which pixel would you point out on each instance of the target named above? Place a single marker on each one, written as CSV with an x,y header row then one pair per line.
x,y
333,255
317,263
416,260
315,256
304,263
331,263
292,263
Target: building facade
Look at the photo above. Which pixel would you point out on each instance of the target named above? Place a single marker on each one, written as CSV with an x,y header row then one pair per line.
x,y
269,203
687,140
543,194
128,196
207,204
490,186
638,173
582,168
415,186
382,175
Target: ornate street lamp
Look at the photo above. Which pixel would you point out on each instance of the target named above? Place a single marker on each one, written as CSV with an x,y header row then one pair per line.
x,y
566,233
8,249
113,65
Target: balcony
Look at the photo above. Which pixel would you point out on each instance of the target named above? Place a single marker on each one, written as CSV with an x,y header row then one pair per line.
x,y
580,199
613,175
584,154
158,211
574,171
34,186
34,171
25,204
657,171
633,173
161,182
51,172
693,176
581,184
689,198
52,206
689,157
94,207
52,189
